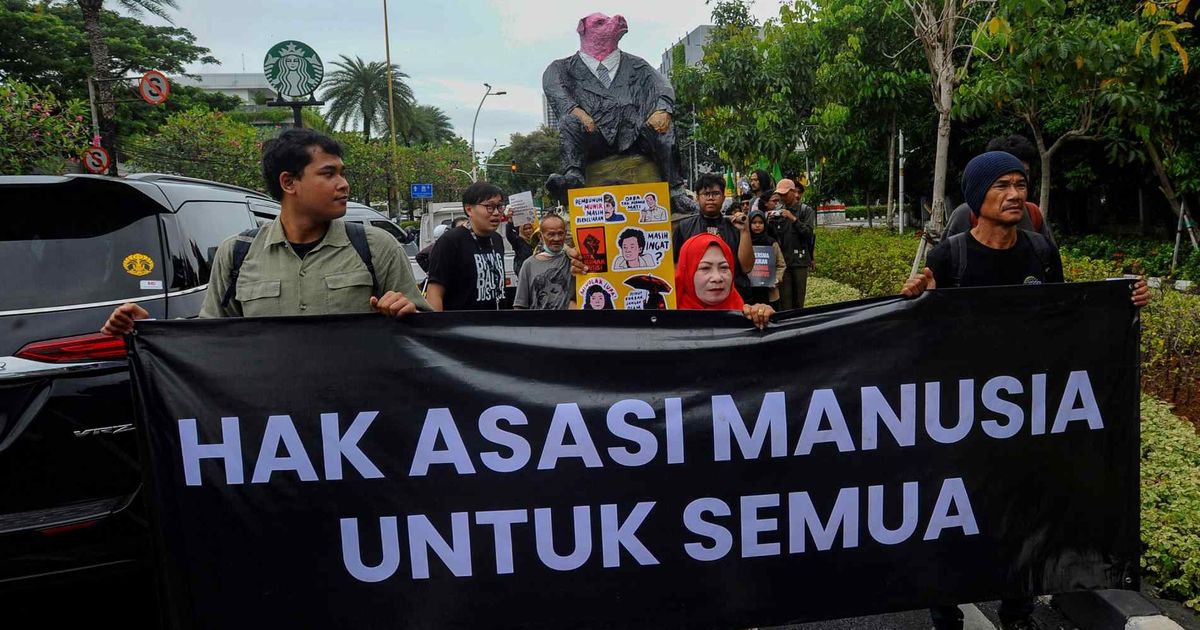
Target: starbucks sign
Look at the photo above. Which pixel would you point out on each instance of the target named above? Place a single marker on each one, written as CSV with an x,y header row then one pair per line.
x,y
293,69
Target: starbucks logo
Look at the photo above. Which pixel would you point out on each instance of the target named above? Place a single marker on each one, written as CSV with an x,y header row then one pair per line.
x,y
293,69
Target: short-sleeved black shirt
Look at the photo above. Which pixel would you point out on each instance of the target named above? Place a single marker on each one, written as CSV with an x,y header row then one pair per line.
x,y
985,266
470,269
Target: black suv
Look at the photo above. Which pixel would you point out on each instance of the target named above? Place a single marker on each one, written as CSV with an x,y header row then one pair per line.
x,y
71,249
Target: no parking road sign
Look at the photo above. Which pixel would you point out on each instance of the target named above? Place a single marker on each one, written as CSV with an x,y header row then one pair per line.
x,y
154,88
96,160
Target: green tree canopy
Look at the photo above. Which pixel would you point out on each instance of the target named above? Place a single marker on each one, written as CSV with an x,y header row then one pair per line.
x,y
38,132
430,125
1050,64
357,92
203,144
46,44
536,155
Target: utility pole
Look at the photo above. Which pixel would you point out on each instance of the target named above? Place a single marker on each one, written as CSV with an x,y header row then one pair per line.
x,y
393,192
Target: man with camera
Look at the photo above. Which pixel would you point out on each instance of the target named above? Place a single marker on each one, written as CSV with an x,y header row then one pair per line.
x,y
793,223
734,230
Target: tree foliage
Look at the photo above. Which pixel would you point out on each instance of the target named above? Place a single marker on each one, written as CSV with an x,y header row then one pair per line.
x,y
748,92
1051,64
868,84
430,125
203,144
828,84
45,44
38,132
357,92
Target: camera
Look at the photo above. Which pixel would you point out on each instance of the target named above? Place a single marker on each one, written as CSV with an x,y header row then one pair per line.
x,y
774,213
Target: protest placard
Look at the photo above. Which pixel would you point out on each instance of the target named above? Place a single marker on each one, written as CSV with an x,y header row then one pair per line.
x,y
624,237
763,272
523,210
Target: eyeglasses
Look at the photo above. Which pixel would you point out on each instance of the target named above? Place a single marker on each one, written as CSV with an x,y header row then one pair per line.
x,y
492,208
712,193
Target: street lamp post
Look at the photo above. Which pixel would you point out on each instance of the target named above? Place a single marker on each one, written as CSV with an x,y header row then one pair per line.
x,y
474,158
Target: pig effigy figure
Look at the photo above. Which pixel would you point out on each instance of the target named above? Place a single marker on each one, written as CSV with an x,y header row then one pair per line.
x,y
611,103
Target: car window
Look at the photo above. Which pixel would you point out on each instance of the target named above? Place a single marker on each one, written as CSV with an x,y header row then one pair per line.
x,y
206,224
79,246
390,228
263,212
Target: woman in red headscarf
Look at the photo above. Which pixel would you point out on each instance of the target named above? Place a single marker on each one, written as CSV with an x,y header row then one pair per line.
x,y
704,280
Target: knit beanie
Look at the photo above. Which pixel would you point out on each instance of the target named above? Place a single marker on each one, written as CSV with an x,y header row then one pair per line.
x,y
983,171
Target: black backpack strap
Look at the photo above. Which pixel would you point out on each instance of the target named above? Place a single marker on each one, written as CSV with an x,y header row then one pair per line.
x,y
1043,249
358,238
241,247
958,257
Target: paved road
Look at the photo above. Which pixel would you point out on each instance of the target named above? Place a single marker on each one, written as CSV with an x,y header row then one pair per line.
x,y
975,617
122,602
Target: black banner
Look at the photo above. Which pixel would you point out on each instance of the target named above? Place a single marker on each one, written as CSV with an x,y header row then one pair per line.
x,y
636,469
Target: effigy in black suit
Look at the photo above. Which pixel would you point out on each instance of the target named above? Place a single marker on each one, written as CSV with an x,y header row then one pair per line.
x,y
621,111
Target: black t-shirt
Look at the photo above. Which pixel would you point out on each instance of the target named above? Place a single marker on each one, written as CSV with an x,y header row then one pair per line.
x,y
985,266
699,224
302,249
470,269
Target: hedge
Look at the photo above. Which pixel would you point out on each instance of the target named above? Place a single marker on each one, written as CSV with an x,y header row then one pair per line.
x,y
821,291
1170,503
1143,256
877,261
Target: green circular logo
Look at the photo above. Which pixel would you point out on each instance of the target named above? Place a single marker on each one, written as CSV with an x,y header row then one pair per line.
x,y
293,69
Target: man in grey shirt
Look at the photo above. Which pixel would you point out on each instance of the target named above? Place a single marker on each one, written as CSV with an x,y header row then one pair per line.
x,y
545,282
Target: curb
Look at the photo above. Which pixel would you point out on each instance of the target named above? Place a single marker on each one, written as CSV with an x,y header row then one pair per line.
x,y
1112,610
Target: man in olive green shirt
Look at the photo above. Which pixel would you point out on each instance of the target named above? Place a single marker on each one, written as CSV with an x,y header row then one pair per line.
x,y
331,278
303,263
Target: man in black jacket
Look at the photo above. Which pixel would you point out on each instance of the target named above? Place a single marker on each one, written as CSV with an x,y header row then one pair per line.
x,y
793,223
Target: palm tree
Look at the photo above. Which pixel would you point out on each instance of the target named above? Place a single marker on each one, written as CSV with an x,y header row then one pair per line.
x,y
430,125
92,11
358,95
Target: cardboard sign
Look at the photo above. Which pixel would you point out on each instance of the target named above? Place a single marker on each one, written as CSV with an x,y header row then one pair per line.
x,y
523,210
624,236
763,273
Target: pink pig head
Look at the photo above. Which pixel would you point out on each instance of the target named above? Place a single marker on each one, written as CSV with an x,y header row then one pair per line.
x,y
599,34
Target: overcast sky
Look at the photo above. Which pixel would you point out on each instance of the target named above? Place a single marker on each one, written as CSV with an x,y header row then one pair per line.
x,y
449,48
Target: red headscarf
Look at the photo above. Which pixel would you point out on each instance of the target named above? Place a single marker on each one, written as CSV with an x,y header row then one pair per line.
x,y
685,274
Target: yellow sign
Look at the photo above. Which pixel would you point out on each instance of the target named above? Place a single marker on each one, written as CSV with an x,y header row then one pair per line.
x,y
623,234
137,264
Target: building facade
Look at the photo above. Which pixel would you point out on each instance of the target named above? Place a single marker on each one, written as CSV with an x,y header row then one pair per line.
x,y
251,87
692,48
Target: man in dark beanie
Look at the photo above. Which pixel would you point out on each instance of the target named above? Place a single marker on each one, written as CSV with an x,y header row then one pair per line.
x,y
995,252
963,219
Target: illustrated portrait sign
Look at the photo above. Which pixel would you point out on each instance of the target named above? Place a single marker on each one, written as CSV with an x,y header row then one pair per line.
x,y
624,238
